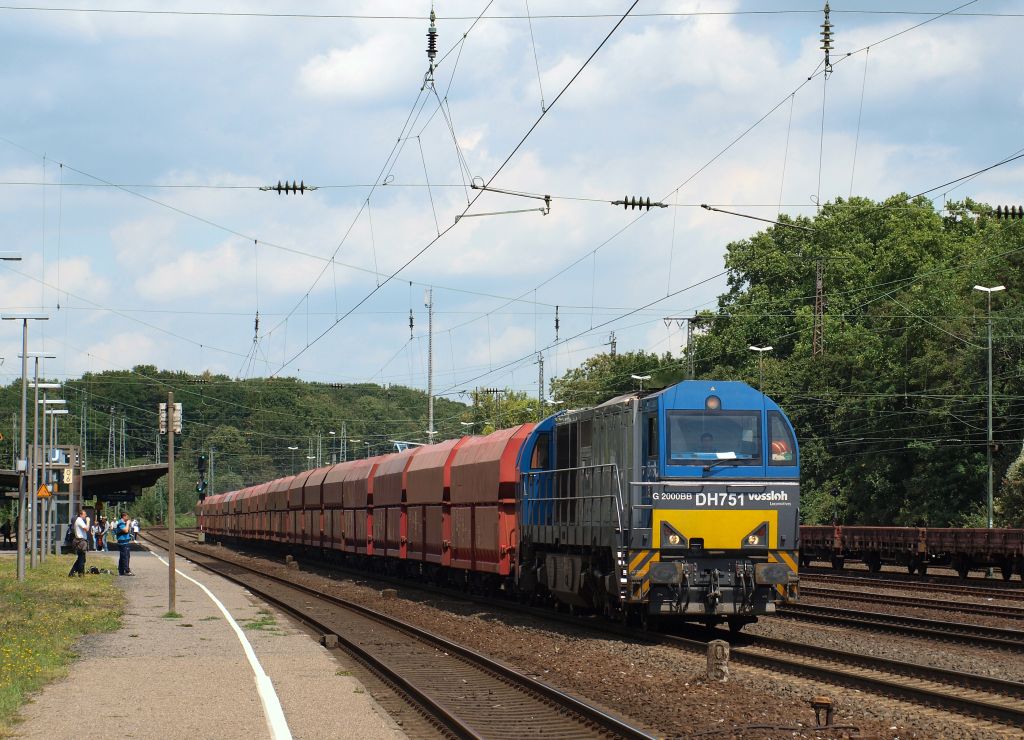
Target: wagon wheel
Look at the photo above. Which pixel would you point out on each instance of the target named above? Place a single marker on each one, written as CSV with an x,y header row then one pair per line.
x,y
1006,568
962,566
874,562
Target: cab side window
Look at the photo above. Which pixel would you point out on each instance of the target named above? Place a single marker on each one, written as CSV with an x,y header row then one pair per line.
x,y
541,452
781,446
651,436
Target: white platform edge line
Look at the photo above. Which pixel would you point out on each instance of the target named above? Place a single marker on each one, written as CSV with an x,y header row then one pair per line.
x,y
276,722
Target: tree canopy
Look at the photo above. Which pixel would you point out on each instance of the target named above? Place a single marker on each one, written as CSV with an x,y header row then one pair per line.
x,y
892,414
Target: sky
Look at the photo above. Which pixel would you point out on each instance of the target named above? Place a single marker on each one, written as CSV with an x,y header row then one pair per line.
x,y
133,147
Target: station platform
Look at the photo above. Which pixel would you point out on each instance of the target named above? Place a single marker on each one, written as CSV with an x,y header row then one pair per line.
x,y
193,677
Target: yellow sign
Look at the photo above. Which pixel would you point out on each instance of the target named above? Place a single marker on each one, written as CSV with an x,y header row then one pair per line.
x,y
43,492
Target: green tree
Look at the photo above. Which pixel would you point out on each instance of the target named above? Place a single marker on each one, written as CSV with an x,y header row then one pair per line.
x,y
891,415
605,376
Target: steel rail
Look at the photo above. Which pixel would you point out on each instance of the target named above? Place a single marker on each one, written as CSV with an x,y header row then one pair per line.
x,y
1004,612
909,583
913,626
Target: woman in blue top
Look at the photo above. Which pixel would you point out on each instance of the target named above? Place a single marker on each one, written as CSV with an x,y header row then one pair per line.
x,y
123,530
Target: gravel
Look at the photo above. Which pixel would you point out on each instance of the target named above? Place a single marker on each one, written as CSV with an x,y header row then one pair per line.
x,y
664,688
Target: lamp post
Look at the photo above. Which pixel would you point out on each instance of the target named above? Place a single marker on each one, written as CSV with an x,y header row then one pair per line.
x,y
293,458
334,457
641,378
988,447
23,461
760,363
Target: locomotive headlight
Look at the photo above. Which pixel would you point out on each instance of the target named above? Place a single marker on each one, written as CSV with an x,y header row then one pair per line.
x,y
713,403
673,539
753,539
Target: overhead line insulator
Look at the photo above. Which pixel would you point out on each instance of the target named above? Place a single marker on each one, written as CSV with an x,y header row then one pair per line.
x,y
826,40
631,203
1009,212
288,188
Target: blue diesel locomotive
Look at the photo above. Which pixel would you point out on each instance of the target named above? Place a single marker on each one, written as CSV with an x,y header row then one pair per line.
x,y
681,503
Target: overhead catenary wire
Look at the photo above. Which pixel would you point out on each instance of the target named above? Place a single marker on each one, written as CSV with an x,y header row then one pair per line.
x,y
506,16
498,171
860,114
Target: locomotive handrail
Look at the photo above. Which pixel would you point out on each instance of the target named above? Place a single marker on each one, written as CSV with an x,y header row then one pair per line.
x,y
603,468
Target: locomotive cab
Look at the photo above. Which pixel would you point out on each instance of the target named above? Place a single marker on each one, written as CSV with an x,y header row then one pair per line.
x,y
720,481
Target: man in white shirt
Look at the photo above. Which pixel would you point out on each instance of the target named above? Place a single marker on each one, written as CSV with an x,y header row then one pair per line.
x,y
80,543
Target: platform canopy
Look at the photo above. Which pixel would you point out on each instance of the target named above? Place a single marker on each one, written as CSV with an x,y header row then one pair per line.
x,y
110,485
120,484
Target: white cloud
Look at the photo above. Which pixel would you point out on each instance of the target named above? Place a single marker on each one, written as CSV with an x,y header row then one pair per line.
x,y
373,69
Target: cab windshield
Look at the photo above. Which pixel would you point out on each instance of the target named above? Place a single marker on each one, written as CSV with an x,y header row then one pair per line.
x,y
721,435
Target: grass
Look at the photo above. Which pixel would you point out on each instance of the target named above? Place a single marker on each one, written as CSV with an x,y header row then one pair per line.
x,y
171,615
41,619
264,620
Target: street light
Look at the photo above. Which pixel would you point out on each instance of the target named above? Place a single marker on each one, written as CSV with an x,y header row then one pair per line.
x,y
988,447
641,378
760,362
293,458
23,461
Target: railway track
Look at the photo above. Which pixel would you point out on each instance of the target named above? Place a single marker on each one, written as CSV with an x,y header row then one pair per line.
x,y
970,694
978,696
461,689
934,629
906,583
1004,612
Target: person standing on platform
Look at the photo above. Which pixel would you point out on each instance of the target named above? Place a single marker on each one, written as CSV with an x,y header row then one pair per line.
x,y
5,529
80,543
123,530
104,529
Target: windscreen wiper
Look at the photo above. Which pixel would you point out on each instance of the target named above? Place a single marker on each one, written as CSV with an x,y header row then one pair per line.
x,y
722,461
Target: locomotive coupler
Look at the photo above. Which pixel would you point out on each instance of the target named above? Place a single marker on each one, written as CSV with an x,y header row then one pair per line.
x,y
682,587
745,577
714,590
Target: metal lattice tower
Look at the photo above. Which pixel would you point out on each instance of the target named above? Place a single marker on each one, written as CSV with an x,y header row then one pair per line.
x,y
428,300
689,347
111,440
612,343
540,386
818,342
123,448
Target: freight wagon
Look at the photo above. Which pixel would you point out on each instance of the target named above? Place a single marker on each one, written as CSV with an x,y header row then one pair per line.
x,y
916,548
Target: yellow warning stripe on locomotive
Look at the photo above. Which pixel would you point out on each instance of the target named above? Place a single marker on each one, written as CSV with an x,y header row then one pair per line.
x,y
639,568
788,592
